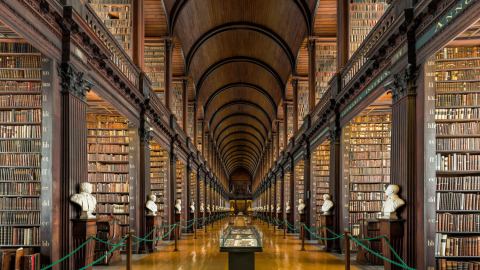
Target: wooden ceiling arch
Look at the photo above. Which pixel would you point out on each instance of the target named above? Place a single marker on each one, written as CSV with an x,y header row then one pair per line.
x,y
240,54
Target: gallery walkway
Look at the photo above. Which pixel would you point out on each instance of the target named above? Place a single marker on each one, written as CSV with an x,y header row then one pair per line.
x,y
203,253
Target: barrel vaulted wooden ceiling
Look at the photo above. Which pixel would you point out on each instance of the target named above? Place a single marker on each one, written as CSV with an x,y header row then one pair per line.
x,y
240,55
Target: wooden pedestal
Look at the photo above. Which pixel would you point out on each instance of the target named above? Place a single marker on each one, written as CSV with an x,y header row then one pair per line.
x,y
280,220
178,228
200,221
393,230
326,221
153,223
190,225
82,230
289,220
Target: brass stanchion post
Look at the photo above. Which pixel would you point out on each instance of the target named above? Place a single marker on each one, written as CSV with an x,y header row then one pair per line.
x,y
284,229
176,238
302,234
129,250
347,250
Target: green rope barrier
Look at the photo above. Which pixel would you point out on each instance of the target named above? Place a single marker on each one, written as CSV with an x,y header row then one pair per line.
x,y
69,254
404,266
143,239
105,255
104,242
322,238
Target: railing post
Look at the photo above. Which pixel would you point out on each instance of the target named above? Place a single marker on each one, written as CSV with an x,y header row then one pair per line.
x,y
194,229
347,250
284,229
129,250
302,234
176,229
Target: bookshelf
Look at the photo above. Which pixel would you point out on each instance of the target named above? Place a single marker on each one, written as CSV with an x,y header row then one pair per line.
x,y
320,177
325,67
281,134
117,17
302,101
299,186
159,176
108,165
364,14
193,191
199,136
20,144
179,187
154,67
457,122
289,121
367,142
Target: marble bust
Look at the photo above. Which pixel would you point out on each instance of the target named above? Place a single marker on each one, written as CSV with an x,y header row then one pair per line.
x,y
202,207
392,203
327,205
271,207
301,206
278,208
192,207
287,207
85,200
151,205
208,209
178,206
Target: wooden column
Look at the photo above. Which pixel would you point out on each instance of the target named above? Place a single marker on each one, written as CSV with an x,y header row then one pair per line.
x,y
282,193
292,191
197,198
172,183
285,124
274,195
335,181
311,74
307,186
195,139
138,47
342,33
295,105
168,72
144,181
187,191
185,105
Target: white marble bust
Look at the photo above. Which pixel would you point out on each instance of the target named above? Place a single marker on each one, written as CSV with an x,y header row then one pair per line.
x,y
287,207
85,200
151,205
178,206
278,208
327,205
271,208
208,209
202,207
392,203
301,206
192,207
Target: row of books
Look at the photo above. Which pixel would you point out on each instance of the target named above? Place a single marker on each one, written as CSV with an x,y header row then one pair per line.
x,y
20,146
19,203
457,114
458,52
468,99
104,119
375,163
458,201
362,196
114,140
465,74
20,74
325,67
448,222
19,259
107,157
370,178
458,183
20,100
116,134
111,187
17,132
112,208
20,174
444,264
369,147
370,130
367,187
107,177
20,188
367,206
154,65
458,144
20,160
361,171
108,148
457,64
115,168
444,87
17,86
459,128
21,116
106,125
386,140
458,162
354,218
16,47
369,155
19,236
112,198
20,61
457,246
16,218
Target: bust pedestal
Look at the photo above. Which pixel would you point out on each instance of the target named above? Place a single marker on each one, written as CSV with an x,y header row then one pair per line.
x,y
82,230
200,220
393,230
289,220
302,222
326,221
152,223
177,229
190,225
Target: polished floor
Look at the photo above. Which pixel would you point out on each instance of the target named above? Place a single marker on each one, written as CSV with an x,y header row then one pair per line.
x,y
203,253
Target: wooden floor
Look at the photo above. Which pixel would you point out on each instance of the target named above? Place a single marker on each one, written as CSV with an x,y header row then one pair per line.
x,y
203,253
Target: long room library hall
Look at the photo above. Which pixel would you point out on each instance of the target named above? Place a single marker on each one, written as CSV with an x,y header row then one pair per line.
x,y
240,134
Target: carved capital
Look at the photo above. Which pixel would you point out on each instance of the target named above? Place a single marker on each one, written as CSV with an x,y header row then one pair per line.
x,y
73,81
404,83
145,135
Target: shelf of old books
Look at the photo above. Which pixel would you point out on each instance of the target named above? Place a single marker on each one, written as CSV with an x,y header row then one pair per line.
x,y
117,17
108,160
366,162
180,187
159,175
20,144
320,177
154,66
364,14
299,186
303,108
325,66
193,192
456,71
289,204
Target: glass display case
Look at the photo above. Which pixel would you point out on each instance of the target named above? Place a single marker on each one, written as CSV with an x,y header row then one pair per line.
x,y
239,239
